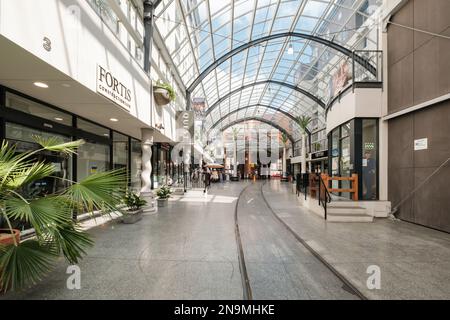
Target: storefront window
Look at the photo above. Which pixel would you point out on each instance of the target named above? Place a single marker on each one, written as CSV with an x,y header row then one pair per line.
x,y
22,138
335,152
92,158
370,159
36,109
92,128
136,164
120,151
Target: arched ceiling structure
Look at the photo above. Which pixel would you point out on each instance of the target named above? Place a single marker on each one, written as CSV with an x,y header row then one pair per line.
x,y
277,53
261,120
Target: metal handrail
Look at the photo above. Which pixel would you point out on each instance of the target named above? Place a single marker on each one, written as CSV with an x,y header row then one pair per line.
x,y
323,202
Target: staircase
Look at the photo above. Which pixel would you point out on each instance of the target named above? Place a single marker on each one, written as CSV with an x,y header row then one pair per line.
x,y
347,211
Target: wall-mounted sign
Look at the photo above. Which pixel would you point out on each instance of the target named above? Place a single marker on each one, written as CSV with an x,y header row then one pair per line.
x,y
185,120
341,78
112,88
421,144
369,146
319,155
198,105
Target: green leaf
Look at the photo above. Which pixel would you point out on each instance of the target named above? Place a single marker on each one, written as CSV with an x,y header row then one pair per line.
x,y
24,264
58,145
10,163
29,173
100,191
71,241
41,212
303,122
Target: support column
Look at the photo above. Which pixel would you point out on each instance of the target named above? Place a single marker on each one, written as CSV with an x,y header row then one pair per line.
x,y
146,190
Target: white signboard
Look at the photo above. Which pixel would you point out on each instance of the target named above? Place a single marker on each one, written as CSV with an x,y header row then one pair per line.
x,y
421,144
112,88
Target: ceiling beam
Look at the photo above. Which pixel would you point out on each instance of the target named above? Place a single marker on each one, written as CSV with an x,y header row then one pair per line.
x,y
270,123
349,53
287,114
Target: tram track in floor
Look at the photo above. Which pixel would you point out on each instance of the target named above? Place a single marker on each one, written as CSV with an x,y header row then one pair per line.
x,y
246,287
347,285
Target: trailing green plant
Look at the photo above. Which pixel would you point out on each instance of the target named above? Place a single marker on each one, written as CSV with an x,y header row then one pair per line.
x,y
164,192
51,215
133,201
168,87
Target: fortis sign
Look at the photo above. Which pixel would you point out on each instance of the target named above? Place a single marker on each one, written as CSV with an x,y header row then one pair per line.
x,y
113,89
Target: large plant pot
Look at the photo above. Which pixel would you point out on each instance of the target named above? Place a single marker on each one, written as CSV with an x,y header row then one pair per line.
x,y
131,217
163,202
161,95
6,238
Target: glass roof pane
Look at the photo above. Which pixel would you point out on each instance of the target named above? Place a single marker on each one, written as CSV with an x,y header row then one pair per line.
x,y
198,32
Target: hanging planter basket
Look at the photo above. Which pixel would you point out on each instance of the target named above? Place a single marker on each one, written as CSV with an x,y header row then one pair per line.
x,y
162,96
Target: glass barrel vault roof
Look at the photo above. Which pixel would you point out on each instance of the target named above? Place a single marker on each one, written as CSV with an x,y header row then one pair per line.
x,y
199,32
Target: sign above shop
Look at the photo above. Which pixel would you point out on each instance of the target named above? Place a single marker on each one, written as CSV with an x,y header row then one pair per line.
x,y
185,120
421,144
113,89
319,155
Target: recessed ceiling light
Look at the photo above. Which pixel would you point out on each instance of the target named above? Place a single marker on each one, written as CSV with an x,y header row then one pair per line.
x,y
106,134
291,49
41,85
59,119
66,85
114,119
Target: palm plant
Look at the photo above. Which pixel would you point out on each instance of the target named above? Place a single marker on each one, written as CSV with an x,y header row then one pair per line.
x,y
303,122
56,232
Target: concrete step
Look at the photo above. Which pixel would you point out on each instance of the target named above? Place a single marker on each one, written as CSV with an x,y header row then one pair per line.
x,y
346,203
178,191
346,210
349,218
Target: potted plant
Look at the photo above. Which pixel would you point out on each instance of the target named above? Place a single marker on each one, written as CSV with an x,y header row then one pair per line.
x,y
134,210
163,194
23,263
163,93
9,236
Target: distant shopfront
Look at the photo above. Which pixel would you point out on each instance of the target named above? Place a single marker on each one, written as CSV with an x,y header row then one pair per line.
x,y
164,171
23,117
353,148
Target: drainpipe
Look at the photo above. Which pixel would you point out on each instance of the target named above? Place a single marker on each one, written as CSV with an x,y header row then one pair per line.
x,y
149,11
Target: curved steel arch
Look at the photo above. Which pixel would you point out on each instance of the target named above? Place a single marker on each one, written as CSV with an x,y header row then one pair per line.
x,y
290,116
360,60
229,94
270,123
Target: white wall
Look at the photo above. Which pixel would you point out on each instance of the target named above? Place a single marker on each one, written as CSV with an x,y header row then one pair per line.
x,y
363,103
81,41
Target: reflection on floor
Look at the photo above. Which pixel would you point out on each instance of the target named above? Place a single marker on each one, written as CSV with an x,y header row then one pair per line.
x,y
188,250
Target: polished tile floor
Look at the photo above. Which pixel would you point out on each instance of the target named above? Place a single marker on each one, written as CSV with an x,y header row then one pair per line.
x,y
188,250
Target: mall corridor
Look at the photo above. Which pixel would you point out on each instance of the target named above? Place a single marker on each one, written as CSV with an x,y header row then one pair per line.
x,y
189,250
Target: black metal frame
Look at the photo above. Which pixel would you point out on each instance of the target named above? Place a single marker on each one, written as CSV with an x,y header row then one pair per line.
x,y
32,121
276,126
360,60
288,85
356,151
290,116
